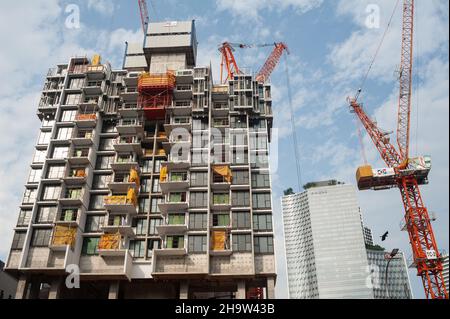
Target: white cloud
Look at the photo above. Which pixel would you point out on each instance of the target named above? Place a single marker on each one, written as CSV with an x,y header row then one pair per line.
x,y
105,7
252,8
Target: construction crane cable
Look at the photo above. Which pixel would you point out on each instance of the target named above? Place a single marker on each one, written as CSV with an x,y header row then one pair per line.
x,y
294,132
377,50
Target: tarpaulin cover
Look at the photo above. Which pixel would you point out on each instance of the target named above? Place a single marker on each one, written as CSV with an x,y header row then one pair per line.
x,y
134,177
163,174
219,239
109,241
131,196
64,235
225,171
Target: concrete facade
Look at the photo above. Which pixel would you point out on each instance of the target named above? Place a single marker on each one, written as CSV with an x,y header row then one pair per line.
x,y
182,228
8,284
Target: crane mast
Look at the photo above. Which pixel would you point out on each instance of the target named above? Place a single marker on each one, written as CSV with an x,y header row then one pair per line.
x,y
144,15
407,174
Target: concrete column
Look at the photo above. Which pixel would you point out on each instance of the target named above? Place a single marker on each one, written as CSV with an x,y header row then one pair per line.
x,y
114,290
270,288
22,288
184,290
240,293
55,288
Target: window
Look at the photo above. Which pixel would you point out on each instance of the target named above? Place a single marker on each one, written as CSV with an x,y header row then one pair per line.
x,y
137,248
176,219
261,200
175,242
73,99
199,179
140,225
101,181
177,197
158,165
106,144
18,240
240,156
35,175
56,171
48,122
258,142
154,222
29,196
39,156
90,246
96,202
198,199
64,133
46,214
200,139
104,161
156,187
240,199
221,198
73,193
41,237
153,244
257,124
241,220
262,222
198,221
238,122
263,244
108,126
178,176
94,222
145,185
239,139
76,83
197,244
60,152
51,192
200,124
24,217
260,159
221,219
260,180
240,177
242,243
144,205
68,115
154,208
147,166
69,214
44,138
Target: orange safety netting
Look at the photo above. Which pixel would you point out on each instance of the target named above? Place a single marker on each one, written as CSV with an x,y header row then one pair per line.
x,y
163,174
64,235
219,240
225,171
134,177
149,81
110,241
85,117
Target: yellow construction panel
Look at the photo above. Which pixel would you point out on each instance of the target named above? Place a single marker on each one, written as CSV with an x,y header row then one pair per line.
x,y
115,200
131,197
163,174
219,239
109,241
364,173
64,235
134,177
151,80
225,171
96,59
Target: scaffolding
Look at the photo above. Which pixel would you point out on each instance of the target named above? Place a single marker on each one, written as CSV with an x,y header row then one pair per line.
x,y
155,93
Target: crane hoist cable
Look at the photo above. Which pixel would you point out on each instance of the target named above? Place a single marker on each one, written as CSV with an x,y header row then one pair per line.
x,y
377,50
293,126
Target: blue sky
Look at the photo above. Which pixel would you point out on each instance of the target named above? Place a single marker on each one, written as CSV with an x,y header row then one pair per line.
x,y
331,47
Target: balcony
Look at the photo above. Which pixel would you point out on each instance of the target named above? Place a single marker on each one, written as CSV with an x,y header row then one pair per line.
x,y
180,142
220,109
128,144
174,202
73,197
76,176
130,94
183,92
86,120
122,203
118,224
93,87
123,182
181,108
178,162
68,217
83,138
91,103
220,243
176,225
63,236
183,124
129,110
130,127
111,245
80,156
125,162
175,182
184,76
173,246
96,72
221,202
131,79
221,177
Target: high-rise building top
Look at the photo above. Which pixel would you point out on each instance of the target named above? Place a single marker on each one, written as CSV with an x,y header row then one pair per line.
x,y
325,249
152,180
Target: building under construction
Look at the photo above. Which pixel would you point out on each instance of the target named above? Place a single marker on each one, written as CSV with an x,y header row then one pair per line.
x,y
151,180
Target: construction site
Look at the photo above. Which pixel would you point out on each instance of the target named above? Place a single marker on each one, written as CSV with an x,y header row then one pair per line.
x,y
153,179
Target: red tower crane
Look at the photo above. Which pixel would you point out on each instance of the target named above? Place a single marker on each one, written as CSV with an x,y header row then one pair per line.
x,y
229,62
144,15
404,172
